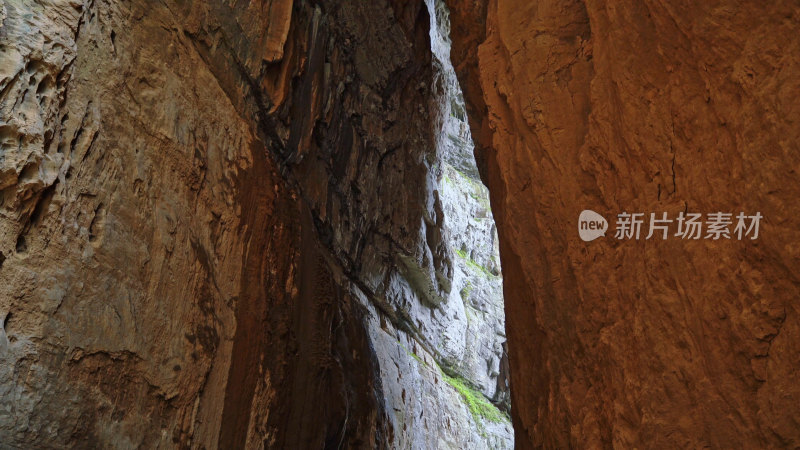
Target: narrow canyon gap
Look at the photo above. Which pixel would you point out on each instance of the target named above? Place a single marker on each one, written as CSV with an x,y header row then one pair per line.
x,y
243,224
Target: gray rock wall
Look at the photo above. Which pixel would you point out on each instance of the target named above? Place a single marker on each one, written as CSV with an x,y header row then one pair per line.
x,y
228,225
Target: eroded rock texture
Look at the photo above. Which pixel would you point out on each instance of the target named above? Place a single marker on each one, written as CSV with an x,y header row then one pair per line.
x,y
221,226
642,106
141,224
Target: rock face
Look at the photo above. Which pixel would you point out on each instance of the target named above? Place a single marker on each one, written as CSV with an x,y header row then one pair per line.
x,y
228,225
641,107
256,224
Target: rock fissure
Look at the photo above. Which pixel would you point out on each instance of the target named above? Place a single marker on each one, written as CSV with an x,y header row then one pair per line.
x,y
264,224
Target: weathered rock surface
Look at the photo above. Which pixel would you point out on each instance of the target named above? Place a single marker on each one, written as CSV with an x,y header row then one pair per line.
x,y
642,107
222,226
144,232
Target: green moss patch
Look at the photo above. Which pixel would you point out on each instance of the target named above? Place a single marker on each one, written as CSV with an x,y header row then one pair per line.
x,y
465,291
471,263
479,406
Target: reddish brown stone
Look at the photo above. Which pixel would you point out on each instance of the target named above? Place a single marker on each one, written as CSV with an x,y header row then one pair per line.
x,y
642,107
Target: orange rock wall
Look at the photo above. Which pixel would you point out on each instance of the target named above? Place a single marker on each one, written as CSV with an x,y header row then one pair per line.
x,y
642,106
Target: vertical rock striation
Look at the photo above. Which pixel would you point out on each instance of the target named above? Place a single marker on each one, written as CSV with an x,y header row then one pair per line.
x,y
141,224
222,225
641,107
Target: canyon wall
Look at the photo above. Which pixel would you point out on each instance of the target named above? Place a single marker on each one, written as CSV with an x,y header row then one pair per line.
x,y
642,106
222,226
252,224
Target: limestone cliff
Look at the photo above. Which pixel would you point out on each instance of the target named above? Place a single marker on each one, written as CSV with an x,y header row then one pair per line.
x,y
223,225
641,106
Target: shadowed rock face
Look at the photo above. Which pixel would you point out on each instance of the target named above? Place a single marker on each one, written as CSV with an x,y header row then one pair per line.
x,y
641,107
146,235
221,226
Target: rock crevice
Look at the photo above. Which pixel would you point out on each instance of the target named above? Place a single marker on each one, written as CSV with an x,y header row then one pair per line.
x,y
224,225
